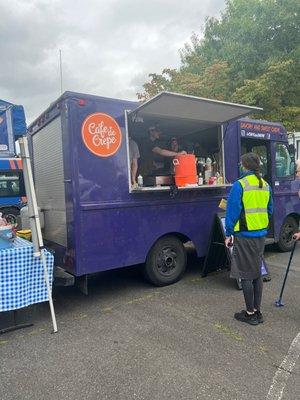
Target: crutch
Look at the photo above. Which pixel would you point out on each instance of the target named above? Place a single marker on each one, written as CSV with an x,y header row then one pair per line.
x,y
279,302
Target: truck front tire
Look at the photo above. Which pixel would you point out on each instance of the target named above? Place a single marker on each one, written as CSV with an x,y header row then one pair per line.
x,y
287,230
166,261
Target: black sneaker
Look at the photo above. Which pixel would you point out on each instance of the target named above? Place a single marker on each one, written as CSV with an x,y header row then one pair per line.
x,y
259,316
243,316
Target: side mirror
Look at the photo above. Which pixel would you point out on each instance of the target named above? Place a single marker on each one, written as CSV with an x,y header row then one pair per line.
x,y
293,168
292,150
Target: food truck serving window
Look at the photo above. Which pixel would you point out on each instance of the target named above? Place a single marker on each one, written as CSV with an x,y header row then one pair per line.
x,y
179,135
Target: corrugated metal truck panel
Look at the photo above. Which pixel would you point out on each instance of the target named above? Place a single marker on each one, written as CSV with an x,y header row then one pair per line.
x,y
49,180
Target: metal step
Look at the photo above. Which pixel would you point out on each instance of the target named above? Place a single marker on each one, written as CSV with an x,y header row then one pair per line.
x,y
62,277
269,241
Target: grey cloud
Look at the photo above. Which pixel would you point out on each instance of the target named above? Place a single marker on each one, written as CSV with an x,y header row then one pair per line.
x,y
108,47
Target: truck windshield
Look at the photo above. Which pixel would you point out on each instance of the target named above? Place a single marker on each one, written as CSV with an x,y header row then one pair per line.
x,y
262,150
11,184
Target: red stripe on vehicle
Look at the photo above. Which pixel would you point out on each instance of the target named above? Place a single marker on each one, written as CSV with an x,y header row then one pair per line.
x,y
12,164
19,163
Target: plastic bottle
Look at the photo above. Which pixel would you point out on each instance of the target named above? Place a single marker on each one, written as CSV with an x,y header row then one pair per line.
x,y
208,164
140,181
200,179
208,169
219,179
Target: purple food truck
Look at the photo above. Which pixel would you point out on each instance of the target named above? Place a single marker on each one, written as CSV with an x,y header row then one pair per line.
x,y
95,220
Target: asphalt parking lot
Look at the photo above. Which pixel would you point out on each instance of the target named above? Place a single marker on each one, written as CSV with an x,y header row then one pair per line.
x,y
129,340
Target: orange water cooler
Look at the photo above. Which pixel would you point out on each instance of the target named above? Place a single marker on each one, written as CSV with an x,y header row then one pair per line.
x,y
185,170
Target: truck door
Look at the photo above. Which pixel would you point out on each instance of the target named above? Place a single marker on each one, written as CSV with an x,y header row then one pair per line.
x,y
285,194
263,149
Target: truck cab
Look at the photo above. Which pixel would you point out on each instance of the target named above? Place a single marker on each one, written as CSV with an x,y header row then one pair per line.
x,y
270,141
12,190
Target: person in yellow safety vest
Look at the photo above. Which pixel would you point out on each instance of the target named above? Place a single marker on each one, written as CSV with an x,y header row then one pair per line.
x,y
249,208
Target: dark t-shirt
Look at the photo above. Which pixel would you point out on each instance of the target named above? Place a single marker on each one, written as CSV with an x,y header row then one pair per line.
x,y
151,162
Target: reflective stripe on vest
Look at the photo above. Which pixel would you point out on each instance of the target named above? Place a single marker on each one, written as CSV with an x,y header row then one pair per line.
x,y
255,201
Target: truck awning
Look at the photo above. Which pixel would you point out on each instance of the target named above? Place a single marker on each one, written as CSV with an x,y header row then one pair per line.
x,y
200,112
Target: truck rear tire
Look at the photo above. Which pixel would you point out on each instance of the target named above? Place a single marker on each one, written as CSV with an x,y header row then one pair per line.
x,y
288,228
166,261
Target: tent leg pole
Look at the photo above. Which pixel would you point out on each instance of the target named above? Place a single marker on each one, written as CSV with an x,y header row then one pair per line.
x,y
49,292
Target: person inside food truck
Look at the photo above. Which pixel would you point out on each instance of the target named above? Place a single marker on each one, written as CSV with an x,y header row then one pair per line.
x,y
134,155
177,148
157,152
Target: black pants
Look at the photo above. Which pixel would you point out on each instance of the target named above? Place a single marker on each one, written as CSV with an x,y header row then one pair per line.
x,y
252,290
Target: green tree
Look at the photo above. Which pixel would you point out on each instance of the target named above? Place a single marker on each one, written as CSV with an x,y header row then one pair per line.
x,y
213,82
274,91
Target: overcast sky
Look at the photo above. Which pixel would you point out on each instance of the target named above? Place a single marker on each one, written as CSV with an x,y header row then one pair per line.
x,y
108,46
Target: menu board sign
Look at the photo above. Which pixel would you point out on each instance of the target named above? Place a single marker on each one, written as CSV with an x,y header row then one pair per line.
x,y
258,130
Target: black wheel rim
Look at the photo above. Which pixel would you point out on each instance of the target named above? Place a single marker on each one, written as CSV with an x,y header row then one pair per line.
x,y
167,261
287,233
11,219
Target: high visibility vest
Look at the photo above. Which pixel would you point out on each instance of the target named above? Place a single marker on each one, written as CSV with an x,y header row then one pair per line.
x,y
254,215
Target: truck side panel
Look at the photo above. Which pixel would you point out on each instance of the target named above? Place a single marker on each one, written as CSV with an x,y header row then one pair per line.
x,y
115,236
115,228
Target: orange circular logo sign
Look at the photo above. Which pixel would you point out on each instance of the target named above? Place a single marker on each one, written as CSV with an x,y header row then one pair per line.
x,y
101,134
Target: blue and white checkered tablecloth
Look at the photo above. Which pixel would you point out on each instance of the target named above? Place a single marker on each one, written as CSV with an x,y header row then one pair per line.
x,y
22,276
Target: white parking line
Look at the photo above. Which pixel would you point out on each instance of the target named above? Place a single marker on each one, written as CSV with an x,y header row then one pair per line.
x,y
284,370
